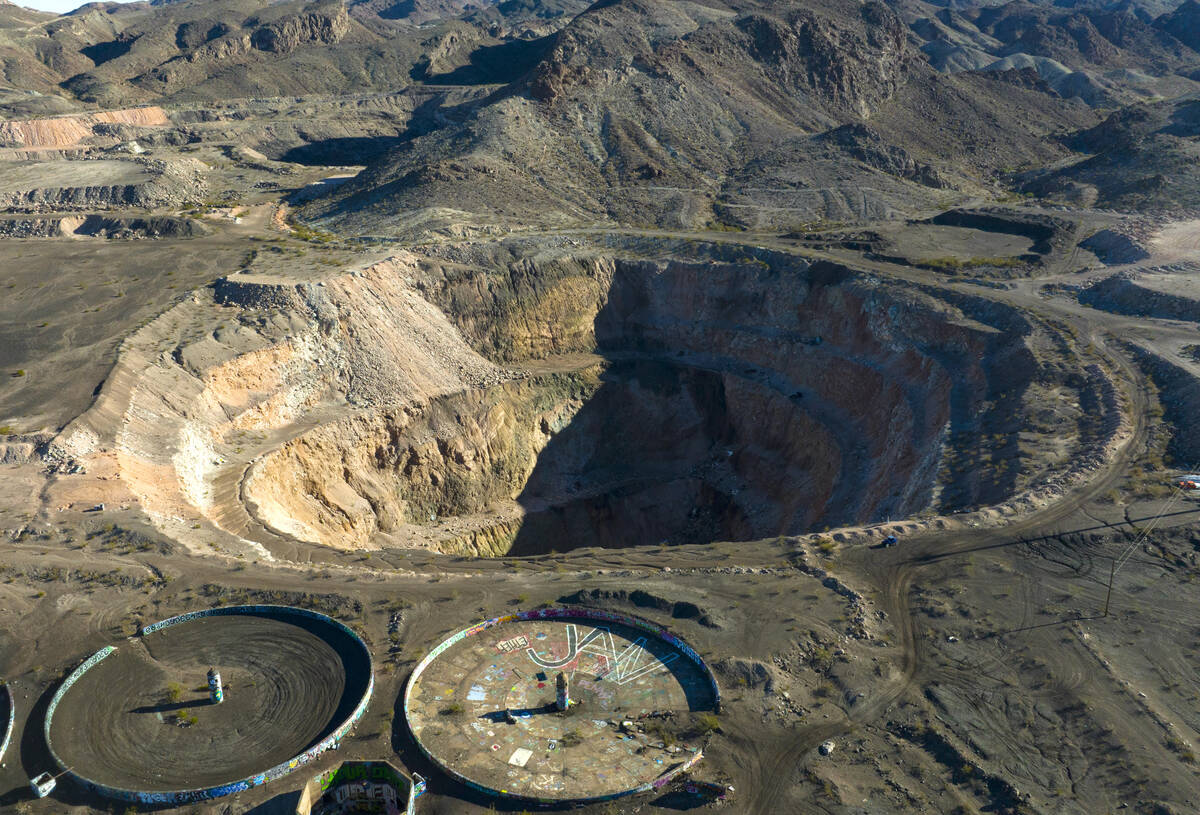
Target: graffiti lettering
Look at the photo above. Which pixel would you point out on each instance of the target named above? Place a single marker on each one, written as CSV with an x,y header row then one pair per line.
x,y
622,667
504,646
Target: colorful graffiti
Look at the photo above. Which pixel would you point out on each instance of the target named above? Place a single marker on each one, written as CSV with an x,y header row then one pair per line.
x,y
315,793
189,796
624,666
10,701
362,771
563,613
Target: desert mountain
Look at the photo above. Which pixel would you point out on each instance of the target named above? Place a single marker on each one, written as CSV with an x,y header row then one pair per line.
x,y
1102,55
1184,23
733,112
741,113
112,54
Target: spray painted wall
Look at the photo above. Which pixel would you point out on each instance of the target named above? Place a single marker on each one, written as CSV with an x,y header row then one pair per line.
x,y
177,797
9,722
351,771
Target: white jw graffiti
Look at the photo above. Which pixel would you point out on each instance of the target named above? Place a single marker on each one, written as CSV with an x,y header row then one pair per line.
x,y
632,662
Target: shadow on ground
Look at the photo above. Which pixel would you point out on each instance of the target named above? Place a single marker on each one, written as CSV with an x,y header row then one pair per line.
x,y
284,804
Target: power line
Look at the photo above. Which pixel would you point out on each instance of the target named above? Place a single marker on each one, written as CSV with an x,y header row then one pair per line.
x,y
1119,562
1123,558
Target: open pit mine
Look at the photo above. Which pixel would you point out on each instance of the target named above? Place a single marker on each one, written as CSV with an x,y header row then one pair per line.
x,y
492,400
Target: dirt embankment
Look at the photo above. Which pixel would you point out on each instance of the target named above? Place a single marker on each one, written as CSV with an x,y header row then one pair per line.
x,y
100,226
1117,246
1179,392
1127,293
100,184
69,131
1049,234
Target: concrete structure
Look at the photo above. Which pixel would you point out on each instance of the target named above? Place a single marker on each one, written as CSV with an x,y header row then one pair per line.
x,y
43,785
8,718
562,698
529,706
216,694
312,680
361,787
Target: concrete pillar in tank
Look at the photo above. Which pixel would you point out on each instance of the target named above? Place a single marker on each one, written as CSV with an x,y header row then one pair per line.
x,y
216,694
563,697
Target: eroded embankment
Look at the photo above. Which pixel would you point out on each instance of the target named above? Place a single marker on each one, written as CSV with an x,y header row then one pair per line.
x,y
241,368
1165,292
102,226
95,184
68,131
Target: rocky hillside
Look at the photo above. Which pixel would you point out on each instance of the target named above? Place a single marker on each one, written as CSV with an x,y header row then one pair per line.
x,y
112,54
732,113
1184,23
1143,157
741,113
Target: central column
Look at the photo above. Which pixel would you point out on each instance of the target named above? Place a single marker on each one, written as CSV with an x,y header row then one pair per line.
x,y
563,696
216,694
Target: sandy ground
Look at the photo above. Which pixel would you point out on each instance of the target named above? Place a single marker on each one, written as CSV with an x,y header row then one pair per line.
x,y
1178,241
994,661
22,176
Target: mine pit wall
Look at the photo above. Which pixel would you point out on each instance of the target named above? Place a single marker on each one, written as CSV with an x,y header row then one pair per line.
x,y
868,376
387,345
836,393
513,308
660,451
364,339
888,358
344,482
181,797
987,411
167,445
840,392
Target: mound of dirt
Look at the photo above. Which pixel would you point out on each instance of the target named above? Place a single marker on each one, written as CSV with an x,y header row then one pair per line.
x,y
678,609
100,184
100,226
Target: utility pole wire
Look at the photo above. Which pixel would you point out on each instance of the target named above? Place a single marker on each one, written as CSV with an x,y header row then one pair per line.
x,y
1127,553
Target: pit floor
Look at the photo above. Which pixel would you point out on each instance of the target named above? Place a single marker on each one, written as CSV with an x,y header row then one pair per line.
x,y
283,684
616,673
